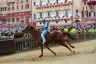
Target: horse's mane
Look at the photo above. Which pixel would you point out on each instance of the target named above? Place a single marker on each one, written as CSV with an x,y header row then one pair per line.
x,y
34,32
26,29
37,32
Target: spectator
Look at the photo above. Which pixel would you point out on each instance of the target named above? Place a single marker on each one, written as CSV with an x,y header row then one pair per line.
x,y
66,29
73,30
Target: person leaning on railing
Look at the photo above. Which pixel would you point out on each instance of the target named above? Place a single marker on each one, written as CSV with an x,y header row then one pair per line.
x,y
73,30
95,30
91,30
66,29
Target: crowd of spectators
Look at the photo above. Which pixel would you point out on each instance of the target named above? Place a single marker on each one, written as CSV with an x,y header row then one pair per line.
x,y
89,28
69,28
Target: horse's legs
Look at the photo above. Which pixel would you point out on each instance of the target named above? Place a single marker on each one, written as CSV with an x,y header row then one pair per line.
x,y
50,50
66,47
41,51
68,42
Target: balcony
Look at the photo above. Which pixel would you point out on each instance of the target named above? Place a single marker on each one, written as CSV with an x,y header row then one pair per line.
x,y
91,2
57,18
53,6
89,18
14,15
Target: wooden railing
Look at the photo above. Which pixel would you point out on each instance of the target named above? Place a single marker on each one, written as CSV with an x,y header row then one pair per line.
x,y
25,44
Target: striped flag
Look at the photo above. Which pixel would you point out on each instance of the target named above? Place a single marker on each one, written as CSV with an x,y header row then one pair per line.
x,y
74,24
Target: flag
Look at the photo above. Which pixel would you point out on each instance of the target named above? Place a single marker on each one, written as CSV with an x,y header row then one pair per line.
x,y
74,24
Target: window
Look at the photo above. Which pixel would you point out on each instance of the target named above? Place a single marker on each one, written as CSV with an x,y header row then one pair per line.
x,y
13,8
17,7
86,8
8,8
56,1
21,1
66,13
86,13
17,19
13,19
84,3
40,3
27,19
40,15
1,9
34,16
66,20
21,6
89,14
27,6
26,0
94,14
48,1
22,17
34,3
83,8
8,20
76,11
57,13
82,13
8,4
5,8
65,1
48,14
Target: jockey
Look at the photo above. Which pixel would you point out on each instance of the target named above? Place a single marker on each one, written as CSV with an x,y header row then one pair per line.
x,y
44,31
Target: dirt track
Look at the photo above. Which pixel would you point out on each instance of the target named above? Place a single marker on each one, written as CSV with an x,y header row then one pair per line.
x,y
86,55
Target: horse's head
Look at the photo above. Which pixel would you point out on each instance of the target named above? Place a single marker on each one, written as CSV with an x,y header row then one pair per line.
x,y
29,27
32,28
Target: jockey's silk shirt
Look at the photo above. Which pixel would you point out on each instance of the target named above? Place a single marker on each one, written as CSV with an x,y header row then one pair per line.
x,y
45,26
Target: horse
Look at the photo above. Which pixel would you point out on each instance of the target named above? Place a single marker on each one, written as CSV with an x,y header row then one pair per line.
x,y
57,37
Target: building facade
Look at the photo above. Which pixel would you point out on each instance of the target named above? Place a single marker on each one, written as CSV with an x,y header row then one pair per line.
x,y
89,10
57,12
15,11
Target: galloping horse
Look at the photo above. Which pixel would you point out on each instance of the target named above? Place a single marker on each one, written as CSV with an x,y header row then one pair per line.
x,y
57,37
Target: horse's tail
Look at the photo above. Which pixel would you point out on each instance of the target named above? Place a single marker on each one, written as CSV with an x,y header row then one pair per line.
x,y
68,34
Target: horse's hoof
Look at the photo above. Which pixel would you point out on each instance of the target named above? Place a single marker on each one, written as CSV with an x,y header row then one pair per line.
x,y
40,56
73,46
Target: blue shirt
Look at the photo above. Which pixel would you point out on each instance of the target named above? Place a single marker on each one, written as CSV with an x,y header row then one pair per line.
x,y
45,26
